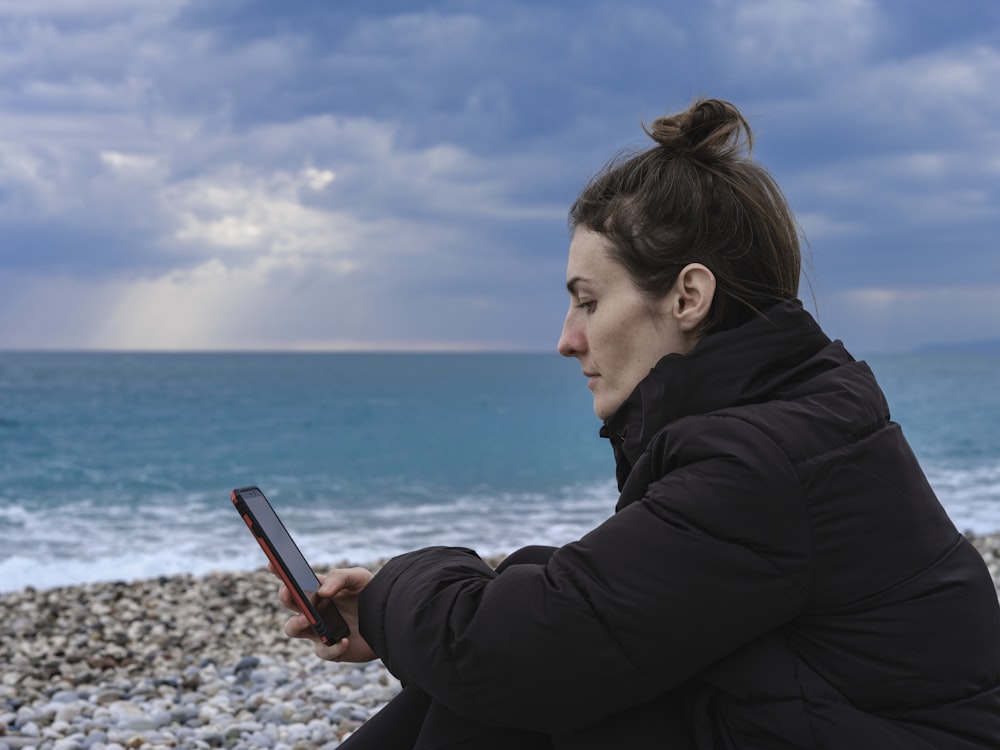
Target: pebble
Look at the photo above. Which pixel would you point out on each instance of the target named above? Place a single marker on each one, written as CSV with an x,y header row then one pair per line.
x,y
179,661
184,661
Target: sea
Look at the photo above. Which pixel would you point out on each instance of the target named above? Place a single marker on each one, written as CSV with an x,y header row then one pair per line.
x,y
119,466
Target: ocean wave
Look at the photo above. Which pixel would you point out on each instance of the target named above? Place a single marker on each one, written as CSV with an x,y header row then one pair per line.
x,y
970,494
120,539
87,541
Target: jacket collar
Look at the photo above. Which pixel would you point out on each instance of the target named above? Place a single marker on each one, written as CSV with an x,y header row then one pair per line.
x,y
747,364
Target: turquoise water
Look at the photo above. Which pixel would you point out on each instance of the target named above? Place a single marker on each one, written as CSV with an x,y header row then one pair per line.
x,y
120,465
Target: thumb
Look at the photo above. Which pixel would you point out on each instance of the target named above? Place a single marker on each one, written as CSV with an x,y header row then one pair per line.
x,y
347,580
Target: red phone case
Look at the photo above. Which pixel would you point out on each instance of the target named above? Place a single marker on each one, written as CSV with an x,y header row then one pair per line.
x,y
321,613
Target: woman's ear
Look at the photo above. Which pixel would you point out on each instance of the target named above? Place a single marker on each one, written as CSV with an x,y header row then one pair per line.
x,y
692,296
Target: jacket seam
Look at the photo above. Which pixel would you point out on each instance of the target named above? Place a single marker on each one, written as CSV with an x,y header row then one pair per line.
x,y
855,605
852,439
992,688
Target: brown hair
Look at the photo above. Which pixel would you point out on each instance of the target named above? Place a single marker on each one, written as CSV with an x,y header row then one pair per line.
x,y
697,197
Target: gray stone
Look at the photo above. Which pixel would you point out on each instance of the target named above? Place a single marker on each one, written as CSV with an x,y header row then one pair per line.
x,y
107,696
98,736
13,742
247,662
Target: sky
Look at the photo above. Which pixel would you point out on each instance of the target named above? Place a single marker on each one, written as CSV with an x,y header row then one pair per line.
x,y
378,175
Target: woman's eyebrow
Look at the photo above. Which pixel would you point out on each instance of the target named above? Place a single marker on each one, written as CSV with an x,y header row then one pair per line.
x,y
573,283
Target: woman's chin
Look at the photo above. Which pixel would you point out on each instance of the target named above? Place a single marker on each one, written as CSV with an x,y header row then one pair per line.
x,y
603,410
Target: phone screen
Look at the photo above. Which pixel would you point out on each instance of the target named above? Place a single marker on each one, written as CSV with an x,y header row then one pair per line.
x,y
284,546
274,538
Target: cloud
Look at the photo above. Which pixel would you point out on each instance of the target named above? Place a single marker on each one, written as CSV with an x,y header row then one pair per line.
x,y
61,9
243,212
908,172
381,176
253,255
878,320
794,38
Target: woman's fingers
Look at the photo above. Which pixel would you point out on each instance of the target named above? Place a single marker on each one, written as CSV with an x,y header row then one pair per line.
x,y
297,626
344,581
344,585
285,597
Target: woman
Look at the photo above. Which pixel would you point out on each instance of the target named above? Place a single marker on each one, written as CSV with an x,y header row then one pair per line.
x,y
778,572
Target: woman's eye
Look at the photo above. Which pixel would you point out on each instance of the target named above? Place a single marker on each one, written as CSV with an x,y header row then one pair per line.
x,y
589,305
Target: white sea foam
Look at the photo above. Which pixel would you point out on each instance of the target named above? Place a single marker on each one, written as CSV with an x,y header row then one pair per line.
x,y
971,495
87,542
197,533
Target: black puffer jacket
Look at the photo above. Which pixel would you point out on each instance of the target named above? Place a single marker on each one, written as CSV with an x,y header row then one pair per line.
x,y
778,574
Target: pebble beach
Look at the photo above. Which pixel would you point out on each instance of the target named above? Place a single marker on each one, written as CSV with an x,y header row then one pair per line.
x,y
179,661
183,661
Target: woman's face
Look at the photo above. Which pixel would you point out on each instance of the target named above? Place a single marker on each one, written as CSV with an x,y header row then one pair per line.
x,y
616,332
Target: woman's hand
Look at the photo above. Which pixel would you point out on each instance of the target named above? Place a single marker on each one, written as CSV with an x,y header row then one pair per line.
x,y
343,585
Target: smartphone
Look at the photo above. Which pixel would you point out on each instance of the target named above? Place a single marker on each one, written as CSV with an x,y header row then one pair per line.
x,y
289,563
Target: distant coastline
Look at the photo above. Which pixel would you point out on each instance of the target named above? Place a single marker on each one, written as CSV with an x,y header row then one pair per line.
x,y
982,346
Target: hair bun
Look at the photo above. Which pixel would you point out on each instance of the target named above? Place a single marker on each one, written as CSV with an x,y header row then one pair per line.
x,y
709,128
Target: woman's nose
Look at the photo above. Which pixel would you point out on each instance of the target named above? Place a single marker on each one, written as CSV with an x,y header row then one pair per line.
x,y
571,341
